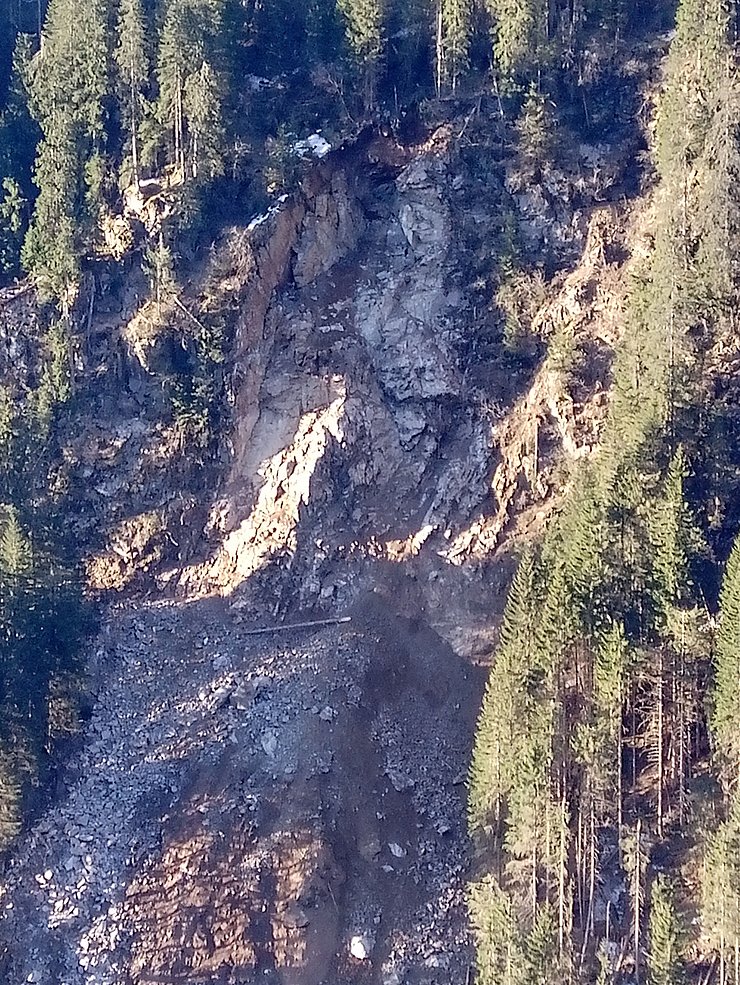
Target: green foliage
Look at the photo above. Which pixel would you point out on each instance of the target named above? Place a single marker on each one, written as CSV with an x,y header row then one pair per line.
x,y
725,712
12,212
10,801
50,250
40,625
203,110
190,92
16,553
536,128
720,912
55,385
666,944
500,959
605,642
498,749
454,38
132,66
541,955
158,265
519,33
17,147
364,20
196,392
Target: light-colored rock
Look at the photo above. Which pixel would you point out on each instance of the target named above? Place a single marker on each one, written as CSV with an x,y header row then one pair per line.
x,y
269,744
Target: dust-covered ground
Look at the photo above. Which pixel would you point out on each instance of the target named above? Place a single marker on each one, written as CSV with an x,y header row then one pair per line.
x,y
256,808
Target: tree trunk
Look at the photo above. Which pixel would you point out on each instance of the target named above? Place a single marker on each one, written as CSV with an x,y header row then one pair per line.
x,y
561,879
661,765
134,130
439,51
636,900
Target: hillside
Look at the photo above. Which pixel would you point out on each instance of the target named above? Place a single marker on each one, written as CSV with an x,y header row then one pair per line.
x,y
368,488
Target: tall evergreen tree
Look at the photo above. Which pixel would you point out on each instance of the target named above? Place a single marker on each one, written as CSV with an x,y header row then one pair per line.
x,y
190,92
365,20
51,250
69,92
721,894
497,755
18,137
666,945
132,63
454,32
725,712
520,33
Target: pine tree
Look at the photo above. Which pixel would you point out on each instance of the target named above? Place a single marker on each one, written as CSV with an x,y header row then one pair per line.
x,y
670,536
10,802
203,108
18,138
725,711
16,553
69,89
50,250
611,666
12,210
364,24
666,936
191,98
454,31
502,730
132,63
499,955
721,894
541,957
716,217
520,33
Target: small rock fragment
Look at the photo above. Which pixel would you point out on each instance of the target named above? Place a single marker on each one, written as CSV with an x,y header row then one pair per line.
x,y
269,743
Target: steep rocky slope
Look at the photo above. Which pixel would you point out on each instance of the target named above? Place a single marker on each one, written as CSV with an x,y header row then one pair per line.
x,y
289,807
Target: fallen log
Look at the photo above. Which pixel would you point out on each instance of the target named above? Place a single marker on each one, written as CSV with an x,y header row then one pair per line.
x,y
298,625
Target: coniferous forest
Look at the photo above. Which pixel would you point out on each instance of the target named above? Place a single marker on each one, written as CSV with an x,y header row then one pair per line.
x,y
604,788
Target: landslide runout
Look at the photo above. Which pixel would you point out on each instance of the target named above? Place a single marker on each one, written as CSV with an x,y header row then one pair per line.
x,y
242,806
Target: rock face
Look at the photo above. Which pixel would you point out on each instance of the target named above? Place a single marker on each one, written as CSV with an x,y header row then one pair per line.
x,y
289,808
338,384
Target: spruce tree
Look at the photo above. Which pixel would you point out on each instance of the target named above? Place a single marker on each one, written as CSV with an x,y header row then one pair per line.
x,y
454,32
203,106
502,733
520,33
364,24
720,913
725,709
499,955
50,250
132,63
190,90
670,535
18,138
69,90
666,936
16,553
10,801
